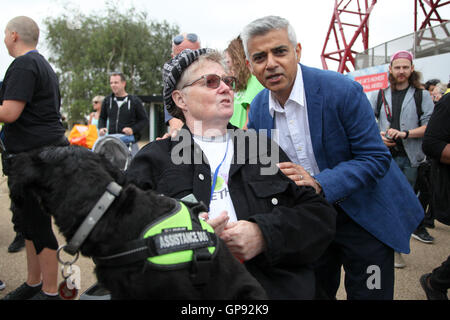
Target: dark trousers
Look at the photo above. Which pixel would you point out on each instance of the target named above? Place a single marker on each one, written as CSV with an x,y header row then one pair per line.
x,y
440,277
422,188
367,262
35,224
28,216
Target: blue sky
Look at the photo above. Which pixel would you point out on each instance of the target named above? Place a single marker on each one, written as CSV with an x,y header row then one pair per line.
x,y
219,22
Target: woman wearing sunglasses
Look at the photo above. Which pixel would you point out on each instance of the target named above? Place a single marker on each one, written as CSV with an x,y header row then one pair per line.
x,y
272,226
97,106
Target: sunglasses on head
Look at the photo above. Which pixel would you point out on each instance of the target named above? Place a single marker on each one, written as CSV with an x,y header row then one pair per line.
x,y
212,81
192,37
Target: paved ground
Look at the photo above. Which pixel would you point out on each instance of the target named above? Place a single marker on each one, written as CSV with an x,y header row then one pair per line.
x,y
423,258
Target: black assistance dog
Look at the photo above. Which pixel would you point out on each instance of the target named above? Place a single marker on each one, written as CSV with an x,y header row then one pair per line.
x,y
144,245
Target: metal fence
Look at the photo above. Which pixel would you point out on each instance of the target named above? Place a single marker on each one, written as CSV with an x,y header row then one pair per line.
x,y
423,43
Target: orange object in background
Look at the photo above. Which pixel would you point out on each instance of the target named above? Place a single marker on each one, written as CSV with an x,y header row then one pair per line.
x,y
83,135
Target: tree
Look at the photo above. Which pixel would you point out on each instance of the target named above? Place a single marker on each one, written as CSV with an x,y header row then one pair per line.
x,y
86,48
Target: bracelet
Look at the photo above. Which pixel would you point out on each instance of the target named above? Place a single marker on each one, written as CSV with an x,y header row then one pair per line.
x,y
407,134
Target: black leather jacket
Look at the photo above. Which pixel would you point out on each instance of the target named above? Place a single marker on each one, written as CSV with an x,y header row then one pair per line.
x,y
296,223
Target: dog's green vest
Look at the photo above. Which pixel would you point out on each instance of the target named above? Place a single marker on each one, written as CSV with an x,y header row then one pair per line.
x,y
175,239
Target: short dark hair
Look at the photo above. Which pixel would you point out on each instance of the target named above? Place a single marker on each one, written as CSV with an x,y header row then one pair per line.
x,y
118,73
430,83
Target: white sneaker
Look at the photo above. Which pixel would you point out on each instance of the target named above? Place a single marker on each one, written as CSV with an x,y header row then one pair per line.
x,y
398,260
2,285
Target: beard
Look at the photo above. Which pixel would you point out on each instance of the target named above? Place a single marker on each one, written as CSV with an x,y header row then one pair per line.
x,y
397,80
413,80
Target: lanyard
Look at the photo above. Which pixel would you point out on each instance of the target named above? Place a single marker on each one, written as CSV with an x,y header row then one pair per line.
x,y
31,51
216,173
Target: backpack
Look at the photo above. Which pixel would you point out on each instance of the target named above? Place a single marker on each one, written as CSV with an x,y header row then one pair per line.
x,y
418,94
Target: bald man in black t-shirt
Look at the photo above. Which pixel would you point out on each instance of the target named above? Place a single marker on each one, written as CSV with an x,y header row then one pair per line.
x,y
29,107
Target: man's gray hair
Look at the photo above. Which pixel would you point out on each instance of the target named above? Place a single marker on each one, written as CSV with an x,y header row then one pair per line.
x,y
264,25
27,29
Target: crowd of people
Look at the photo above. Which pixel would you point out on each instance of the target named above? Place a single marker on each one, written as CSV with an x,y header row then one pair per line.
x,y
342,187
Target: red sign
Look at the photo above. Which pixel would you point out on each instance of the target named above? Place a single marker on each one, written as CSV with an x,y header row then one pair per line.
x,y
373,82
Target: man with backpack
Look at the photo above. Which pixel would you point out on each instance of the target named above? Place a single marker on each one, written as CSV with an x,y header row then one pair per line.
x,y
403,110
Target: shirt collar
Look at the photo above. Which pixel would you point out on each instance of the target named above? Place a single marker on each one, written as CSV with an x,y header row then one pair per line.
x,y
297,94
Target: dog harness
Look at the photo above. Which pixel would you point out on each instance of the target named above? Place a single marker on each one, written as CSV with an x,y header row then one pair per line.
x,y
177,240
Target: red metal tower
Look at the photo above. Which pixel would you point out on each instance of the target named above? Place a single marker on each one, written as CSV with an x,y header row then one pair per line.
x,y
431,15
343,12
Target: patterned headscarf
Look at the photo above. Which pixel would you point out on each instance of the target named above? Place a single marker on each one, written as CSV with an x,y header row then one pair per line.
x,y
173,70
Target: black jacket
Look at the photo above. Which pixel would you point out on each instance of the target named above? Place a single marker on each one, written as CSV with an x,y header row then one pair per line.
x,y
132,114
297,224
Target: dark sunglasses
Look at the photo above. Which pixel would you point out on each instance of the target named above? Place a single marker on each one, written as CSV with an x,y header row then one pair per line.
x,y
192,37
95,102
212,81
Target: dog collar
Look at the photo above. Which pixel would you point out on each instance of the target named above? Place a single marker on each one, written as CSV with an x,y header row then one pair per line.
x,y
112,191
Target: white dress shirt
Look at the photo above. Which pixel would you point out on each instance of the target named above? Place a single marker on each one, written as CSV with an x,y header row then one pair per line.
x,y
292,126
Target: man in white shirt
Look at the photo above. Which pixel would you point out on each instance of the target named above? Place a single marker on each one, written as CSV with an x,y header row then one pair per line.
x,y
326,125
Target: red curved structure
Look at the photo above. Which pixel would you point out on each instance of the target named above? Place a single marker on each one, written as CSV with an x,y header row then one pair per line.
x,y
430,11
343,12
359,11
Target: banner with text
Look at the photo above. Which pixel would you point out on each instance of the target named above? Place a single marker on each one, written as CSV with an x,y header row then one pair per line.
x,y
373,82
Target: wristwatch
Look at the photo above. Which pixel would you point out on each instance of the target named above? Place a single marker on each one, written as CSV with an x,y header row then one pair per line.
x,y
407,134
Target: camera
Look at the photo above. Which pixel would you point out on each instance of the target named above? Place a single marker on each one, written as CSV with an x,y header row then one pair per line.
x,y
388,136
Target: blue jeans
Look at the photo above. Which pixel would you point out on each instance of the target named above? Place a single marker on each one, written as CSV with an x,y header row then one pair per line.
x,y
405,165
